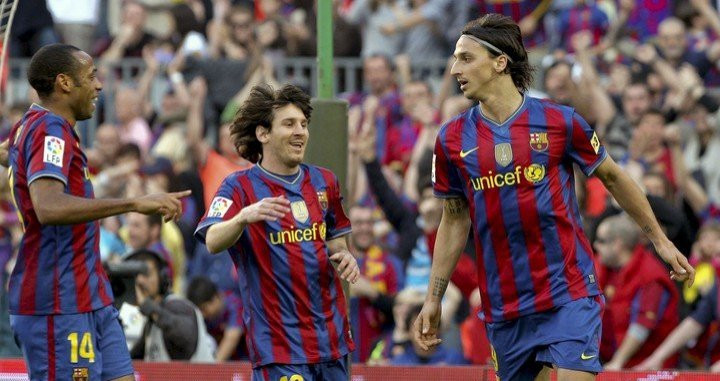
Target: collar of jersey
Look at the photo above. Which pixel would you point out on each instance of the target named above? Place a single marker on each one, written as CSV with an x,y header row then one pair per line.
x,y
507,121
278,178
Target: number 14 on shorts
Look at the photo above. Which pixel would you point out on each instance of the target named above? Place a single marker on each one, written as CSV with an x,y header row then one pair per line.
x,y
84,349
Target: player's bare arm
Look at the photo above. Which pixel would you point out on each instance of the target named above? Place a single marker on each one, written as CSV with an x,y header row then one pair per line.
x,y
224,234
451,238
346,263
634,202
55,207
5,153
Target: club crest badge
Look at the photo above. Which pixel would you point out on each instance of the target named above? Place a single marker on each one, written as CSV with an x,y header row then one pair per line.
x,y
539,141
323,199
81,374
299,211
503,154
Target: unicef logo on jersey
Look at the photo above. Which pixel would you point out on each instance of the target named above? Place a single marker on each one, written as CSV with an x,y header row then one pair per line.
x,y
533,174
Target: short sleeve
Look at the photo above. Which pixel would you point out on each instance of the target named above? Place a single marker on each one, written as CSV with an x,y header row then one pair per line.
x,y
337,222
225,205
584,145
445,177
48,151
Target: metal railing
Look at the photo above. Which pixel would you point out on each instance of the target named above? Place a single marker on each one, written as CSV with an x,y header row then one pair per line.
x,y
301,71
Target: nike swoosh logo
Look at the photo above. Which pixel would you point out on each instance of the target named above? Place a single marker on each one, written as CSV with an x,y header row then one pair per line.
x,y
586,357
465,153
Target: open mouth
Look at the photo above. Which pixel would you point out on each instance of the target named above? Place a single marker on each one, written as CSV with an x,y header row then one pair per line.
x,y
462,82
297,145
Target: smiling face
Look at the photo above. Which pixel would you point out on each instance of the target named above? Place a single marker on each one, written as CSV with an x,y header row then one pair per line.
x,y
474,68
284,143
84,94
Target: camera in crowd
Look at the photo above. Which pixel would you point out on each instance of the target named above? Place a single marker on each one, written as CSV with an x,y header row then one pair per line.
x,y
122,279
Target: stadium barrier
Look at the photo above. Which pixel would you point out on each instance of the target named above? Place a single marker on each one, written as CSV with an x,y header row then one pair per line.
x,y
14,370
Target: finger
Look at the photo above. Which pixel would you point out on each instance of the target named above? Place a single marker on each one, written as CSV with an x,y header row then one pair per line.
x,y
689,269
434,342
347,272
425,325
356,275
181,194
417,333
336,257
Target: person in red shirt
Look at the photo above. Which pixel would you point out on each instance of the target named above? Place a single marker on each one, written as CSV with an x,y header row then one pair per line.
x,y
641,300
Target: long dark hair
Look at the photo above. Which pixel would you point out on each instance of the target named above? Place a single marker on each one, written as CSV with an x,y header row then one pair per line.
x,y
259,110
502,32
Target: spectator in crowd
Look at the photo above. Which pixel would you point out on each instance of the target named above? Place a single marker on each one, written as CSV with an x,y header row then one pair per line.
x,y
223,316
128,113
131,37
641,302
143,232
175,329
32,28
75,21
380,278
372,15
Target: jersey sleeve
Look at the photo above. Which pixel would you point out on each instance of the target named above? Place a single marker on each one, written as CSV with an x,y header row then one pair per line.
x,y
337,222
445,176
226,204
584,145
653,299
48,151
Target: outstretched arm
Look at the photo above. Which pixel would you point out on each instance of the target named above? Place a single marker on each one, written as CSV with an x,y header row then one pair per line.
x,y
633,201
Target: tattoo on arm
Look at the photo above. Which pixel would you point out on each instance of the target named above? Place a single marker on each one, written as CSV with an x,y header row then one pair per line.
x,y
454,206
647,229
439,286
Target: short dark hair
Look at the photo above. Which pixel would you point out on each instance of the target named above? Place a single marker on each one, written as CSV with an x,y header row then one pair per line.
x,y
502,32
653,111
201,290
129,149
48,63
259,110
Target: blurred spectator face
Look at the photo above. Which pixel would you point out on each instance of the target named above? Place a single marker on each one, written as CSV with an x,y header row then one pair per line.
x,y
240,22
635,101
127,105
619,78
708,242
430,208
702,122
672,39
652,125
140,233
212,309
134,14
607,247
362,222
378,75
150,281
415,93
270,8
107,142
225,144
656,185
559,84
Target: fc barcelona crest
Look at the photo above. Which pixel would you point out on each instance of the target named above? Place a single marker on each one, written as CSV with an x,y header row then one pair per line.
x,y
503,154
323,199
299,210
81,374
539,141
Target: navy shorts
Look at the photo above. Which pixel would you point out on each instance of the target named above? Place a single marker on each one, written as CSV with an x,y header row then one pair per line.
x,y
567,336
324,371
69,347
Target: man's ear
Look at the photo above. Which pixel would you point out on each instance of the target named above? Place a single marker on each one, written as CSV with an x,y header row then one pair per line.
x,y
261,133
501,63
64,82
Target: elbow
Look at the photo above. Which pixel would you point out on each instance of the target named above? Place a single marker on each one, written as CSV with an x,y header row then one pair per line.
x,y
46,215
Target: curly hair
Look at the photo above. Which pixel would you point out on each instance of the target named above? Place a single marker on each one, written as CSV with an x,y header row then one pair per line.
x,y
259,110
503,32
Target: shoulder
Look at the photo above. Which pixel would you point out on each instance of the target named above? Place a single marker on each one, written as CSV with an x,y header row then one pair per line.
x,y
178,304
316,173
453,126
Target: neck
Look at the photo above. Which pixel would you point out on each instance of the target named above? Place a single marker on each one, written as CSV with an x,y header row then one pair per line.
x,y
501,101
275,166
56,107
624,258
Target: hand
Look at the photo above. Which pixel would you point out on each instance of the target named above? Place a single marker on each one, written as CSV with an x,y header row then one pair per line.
x,y
363,289
198,89
167,204
347,266
612,366
649,364
646,54
582,40
527,25
426,325
125,34
366,142
681,269
671,135
267,209
148,55
423,113
370,105
388,29
5,153
627,5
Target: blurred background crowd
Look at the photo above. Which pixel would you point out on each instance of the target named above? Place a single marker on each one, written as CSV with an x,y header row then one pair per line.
x,y
643,73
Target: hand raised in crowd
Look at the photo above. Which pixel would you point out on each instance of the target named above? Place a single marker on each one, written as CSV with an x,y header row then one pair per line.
x,y
198,89
167,204
267,209
424,113
581,41
528,25
347,266
148,55
646,54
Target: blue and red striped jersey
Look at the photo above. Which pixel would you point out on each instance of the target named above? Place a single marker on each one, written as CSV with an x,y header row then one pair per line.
x,y
518,180
294,307
58,269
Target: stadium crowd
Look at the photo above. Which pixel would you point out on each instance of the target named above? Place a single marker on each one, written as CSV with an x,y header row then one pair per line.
x,y
644,74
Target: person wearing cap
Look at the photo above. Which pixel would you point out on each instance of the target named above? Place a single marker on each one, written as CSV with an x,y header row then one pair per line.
x,y
505,168
175,329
